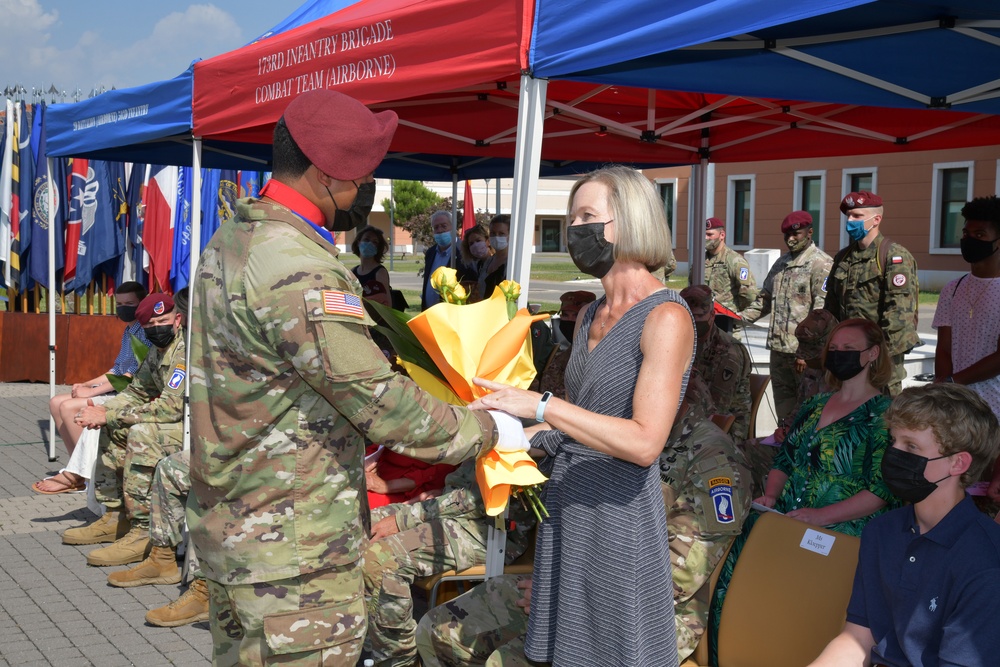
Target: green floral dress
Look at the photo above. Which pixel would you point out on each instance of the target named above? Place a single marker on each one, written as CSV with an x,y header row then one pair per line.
x,y
831,464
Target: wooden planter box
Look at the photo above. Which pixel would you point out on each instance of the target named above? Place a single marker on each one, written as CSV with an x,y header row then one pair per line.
x,y
86,346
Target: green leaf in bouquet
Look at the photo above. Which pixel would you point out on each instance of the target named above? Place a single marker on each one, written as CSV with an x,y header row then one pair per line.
x,y
118,382
394,327
139,349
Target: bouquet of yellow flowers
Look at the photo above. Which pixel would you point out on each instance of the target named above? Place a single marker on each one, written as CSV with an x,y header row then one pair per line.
x,y
447,345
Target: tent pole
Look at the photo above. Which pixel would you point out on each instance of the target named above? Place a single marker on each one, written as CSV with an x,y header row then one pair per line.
x,y
193,267
696,227
454,218
53,295
527,158
392,225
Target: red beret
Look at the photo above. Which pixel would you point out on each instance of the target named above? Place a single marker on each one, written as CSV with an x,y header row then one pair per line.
x,y
863,199
699,299
795,221
154,305
714,223
338,134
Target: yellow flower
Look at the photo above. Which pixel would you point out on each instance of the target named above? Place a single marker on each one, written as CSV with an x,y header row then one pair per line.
x,y
511,290
444,276
456,294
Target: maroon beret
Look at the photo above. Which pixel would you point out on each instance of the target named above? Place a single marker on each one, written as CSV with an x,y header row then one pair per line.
x,y
714,223
699,299
154,305
338,134
795,221
863,199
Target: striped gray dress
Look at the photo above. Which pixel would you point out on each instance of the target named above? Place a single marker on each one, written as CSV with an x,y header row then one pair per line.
x,y
602,593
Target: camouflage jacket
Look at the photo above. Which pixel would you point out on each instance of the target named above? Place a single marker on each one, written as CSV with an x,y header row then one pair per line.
x,y
795,285
462,501
286,384
706,487
156,392
728,276
724,364
859,286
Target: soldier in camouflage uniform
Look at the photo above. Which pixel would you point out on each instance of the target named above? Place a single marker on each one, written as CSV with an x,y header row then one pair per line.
x,y
795,285
140,426
727,274
286,385
171,484
706,488
875,279
422,539
722,362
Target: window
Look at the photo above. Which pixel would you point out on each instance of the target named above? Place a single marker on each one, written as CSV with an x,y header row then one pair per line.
x,y
861,182
740,203
952,188
810,195
551,235
668,195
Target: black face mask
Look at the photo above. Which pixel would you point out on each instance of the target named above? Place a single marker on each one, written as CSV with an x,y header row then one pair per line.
x,y
976,250
701,329
566,328
589,250
844,364
126,313
356,217
160,335
903,473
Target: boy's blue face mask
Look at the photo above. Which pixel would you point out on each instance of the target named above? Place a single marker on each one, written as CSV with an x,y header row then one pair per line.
x,y
856,229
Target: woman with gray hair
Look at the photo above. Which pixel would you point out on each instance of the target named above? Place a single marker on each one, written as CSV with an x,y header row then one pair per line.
x,y
601,588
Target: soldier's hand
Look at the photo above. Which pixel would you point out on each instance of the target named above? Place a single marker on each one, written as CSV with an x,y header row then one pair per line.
x,y
425,495
800,366
384,528
92,416
375,483
525,602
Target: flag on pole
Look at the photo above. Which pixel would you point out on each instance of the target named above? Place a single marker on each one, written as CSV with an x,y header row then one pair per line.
x,y
95,208
249,184
469,217
6,192
219,192
160,201
180,261
20,178
132,259
38,258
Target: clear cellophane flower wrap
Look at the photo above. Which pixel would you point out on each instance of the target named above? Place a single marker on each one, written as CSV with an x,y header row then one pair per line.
x,y
447,345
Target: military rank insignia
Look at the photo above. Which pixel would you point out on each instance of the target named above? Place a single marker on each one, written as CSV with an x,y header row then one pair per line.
x,y
721,491
177,377
336,302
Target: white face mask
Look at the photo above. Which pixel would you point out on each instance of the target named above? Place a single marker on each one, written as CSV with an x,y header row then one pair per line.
x,y
498,242
479,249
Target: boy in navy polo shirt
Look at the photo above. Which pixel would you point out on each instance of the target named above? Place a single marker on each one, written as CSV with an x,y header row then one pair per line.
x,y
927,588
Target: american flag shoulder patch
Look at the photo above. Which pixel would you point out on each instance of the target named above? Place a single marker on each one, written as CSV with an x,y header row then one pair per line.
x,y
336,302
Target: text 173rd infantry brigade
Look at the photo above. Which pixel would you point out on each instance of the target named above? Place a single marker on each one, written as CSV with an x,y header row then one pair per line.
x,y
328,76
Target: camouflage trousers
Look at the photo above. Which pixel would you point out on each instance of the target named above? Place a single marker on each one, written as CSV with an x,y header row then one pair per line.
x,y
171,483
390,567
483,627
313,619
784,385
123,477
898,375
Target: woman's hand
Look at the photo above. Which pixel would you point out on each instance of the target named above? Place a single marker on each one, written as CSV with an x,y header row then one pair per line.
x,y
514,401
375,483
766,501
810,515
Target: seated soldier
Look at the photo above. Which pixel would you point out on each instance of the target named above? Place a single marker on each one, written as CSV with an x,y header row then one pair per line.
x,y
706,487
397,478
139,427
421,539
171,484
722,362
551,377
99,390
927,586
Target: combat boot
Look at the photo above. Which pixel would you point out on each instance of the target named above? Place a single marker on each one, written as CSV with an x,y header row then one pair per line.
x,y
132,548
159,568
108,528
188,608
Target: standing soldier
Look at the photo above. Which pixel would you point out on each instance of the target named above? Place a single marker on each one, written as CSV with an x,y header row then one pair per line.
x,y
727,274
286,385
875,279
721,361
795,285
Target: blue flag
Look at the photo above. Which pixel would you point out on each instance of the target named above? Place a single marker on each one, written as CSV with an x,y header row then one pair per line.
x,y
249,184
94,206
180,269
111,267
219,193
38,259
132,258
25,188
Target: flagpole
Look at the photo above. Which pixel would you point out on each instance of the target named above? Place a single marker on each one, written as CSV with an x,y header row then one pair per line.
x,y
53,295
392,225
195,246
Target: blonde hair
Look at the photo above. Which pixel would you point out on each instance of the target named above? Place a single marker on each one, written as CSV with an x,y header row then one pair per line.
x,y
879,370
641,232
959,418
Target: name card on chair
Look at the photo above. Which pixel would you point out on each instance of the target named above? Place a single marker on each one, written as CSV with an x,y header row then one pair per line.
x,y
818,542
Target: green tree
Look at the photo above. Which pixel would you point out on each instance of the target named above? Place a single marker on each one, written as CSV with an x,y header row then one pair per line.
x,y
412,198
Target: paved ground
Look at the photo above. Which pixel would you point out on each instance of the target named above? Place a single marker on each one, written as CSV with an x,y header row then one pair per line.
x,y
54,608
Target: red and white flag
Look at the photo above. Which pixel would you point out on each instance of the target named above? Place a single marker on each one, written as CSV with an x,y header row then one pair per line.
x,y
160,200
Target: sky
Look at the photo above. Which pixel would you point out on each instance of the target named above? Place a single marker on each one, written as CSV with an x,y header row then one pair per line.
x,y
86,44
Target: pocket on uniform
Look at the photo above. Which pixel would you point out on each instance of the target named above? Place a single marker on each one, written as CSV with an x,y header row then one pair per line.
x,y
341,325
316,628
